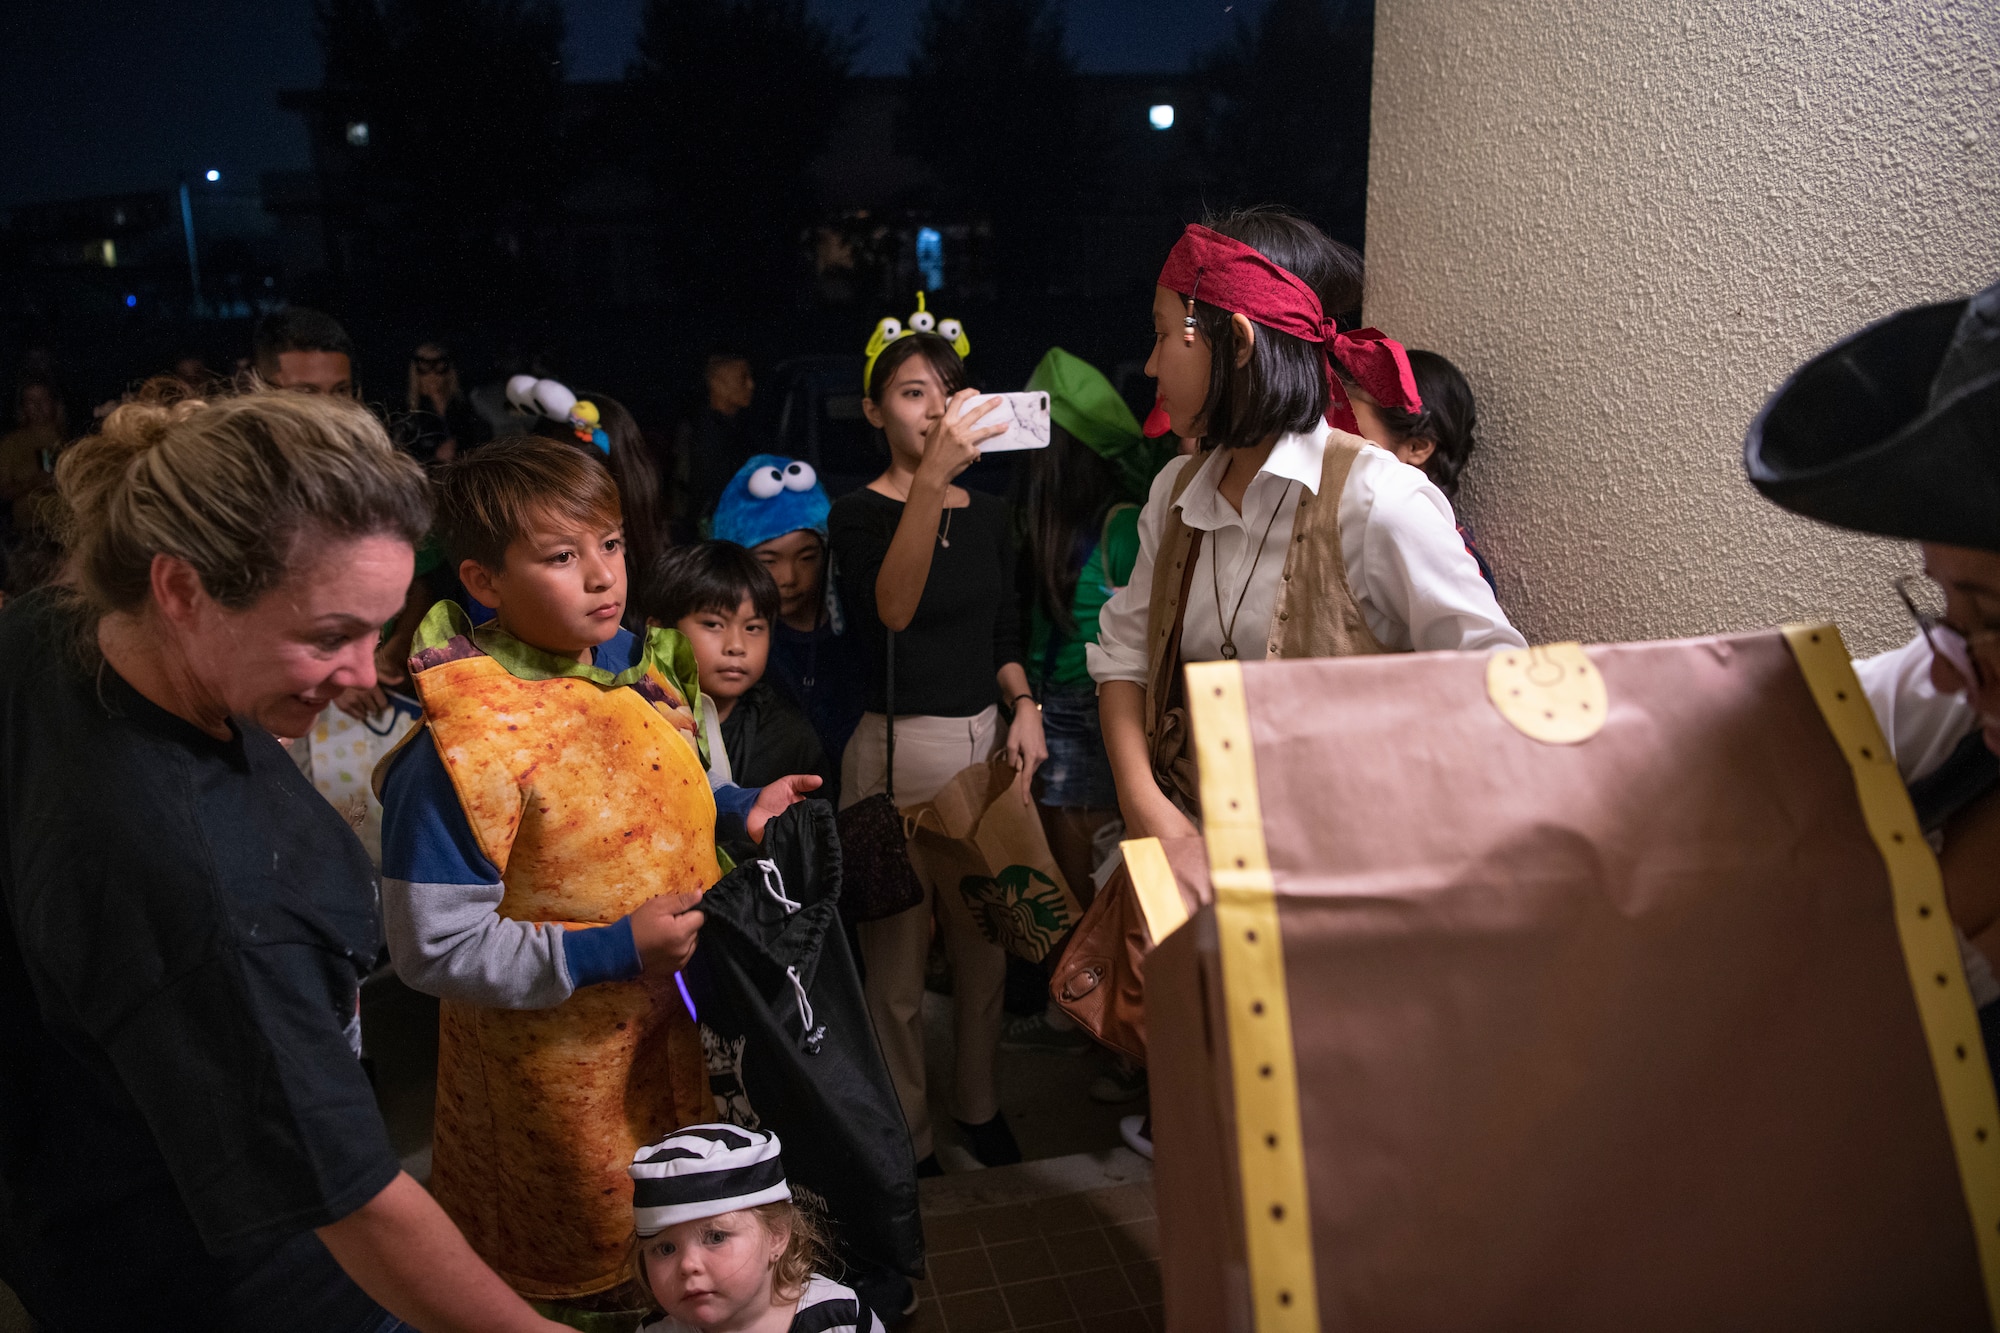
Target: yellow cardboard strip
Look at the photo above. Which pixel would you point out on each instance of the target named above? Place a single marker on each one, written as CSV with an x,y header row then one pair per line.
x,y
1153,881
1269,1148
1930,948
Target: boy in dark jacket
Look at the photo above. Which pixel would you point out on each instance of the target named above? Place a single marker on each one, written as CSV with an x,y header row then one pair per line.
x,y
724,600
775,508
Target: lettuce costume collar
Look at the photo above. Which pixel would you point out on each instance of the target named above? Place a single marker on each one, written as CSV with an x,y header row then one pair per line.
x,y
667,649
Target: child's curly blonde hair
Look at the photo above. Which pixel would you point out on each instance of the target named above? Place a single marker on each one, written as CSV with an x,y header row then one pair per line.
x,y
802,1221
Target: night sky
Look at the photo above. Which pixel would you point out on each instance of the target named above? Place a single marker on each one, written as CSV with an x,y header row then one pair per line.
x,y
115,95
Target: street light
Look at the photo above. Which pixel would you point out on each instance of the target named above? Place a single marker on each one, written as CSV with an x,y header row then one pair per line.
x,y
1160,116
213,175
187,230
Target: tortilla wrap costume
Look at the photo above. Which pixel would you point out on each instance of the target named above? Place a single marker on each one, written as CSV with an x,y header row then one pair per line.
x,y
1651,1016
590,801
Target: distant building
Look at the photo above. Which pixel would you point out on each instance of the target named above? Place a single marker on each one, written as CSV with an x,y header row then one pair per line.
x,y
132,252
876,207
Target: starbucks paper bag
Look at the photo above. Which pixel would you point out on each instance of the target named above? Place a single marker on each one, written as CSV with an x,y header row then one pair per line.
x,y
984,841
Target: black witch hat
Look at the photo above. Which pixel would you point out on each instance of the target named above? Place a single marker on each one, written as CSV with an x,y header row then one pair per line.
x,y
1895,430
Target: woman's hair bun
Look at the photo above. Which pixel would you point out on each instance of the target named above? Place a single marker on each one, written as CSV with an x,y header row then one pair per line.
x,y
226,484
89,471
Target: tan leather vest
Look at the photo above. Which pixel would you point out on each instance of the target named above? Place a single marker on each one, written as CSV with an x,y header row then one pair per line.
x,y
1316,614
589,802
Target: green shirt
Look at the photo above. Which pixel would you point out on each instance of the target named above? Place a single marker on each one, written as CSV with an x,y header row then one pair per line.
x,y
1108,568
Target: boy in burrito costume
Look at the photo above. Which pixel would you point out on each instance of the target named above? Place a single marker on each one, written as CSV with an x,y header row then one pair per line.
x,y
547,835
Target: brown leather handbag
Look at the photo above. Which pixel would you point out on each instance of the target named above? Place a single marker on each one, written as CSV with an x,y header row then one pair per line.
x,y
1101,981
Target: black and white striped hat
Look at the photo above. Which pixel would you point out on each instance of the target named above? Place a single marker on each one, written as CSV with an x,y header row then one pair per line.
x,y
704,1171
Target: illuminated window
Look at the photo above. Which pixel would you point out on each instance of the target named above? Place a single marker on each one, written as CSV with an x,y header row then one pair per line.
x,y
357,133
1160,117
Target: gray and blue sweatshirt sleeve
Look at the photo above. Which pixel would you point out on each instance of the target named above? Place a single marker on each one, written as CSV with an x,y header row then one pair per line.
x,y
441,899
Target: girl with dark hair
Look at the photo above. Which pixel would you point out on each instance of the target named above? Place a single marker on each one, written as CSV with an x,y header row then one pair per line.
x,y
1079,517
638,478
1289,535
1438,436
934,563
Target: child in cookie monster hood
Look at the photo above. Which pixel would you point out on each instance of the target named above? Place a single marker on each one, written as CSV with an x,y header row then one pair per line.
x,y
776,508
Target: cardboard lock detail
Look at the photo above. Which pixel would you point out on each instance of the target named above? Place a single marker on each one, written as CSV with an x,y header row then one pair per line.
x,y
1549,693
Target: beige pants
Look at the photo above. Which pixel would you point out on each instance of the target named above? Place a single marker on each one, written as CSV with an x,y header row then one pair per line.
x,y
930,751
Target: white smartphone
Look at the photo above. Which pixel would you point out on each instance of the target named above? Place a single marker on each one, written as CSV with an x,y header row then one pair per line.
x,y
1025,414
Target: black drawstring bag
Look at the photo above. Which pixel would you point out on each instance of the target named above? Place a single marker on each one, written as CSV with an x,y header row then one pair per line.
x,y
881,881
790,1045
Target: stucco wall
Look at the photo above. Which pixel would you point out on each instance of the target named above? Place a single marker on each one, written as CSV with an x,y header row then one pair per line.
x,y
1627,221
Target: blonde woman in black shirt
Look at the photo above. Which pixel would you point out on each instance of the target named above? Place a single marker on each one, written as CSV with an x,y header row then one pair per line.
x,y
935,563
186,922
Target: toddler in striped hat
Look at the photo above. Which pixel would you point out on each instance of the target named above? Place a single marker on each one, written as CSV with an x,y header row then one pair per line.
x,y
722,1247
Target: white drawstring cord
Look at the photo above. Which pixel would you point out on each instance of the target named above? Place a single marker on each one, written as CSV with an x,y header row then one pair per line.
x,y
774,884
814,1036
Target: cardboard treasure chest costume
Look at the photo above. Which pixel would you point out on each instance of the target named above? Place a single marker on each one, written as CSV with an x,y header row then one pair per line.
x,y
1566,989
589,801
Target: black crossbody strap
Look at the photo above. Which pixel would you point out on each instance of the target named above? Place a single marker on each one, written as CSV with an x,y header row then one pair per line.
x,y
890,784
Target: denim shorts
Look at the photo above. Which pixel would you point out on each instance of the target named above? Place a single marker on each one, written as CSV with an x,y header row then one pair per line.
x,y
1077,772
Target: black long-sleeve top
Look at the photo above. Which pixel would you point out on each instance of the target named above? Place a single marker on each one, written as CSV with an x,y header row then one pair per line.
x,y
968,621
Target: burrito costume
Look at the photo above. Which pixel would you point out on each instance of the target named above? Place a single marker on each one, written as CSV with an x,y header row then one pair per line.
x,y
542,801
1664,1027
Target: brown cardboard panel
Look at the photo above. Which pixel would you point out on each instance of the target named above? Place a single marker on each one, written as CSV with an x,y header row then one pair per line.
x,y
1612,1034
1202,1261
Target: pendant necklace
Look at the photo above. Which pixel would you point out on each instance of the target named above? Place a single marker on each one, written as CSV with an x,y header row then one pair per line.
x,y
944,535
1214,579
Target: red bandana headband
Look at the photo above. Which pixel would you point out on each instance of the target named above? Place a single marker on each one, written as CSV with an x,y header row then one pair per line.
x,y
1207,265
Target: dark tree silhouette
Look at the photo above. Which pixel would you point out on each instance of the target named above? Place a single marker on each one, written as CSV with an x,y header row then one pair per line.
x,y
992,108
1289,122
727,106
464,102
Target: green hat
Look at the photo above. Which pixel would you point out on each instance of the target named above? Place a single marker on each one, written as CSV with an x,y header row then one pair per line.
x,y
1083,403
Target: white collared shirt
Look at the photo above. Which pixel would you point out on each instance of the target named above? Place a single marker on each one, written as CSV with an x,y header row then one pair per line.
x,y
1417,586
1923,727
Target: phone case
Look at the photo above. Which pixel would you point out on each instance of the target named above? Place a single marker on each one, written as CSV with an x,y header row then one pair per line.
x,y
1026,415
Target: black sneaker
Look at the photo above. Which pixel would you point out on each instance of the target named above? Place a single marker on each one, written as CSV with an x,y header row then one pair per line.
x,y
991,1143
1122,1082
1038,1035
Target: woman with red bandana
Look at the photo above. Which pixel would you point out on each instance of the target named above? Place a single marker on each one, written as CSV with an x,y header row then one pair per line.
x,y
1287,535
